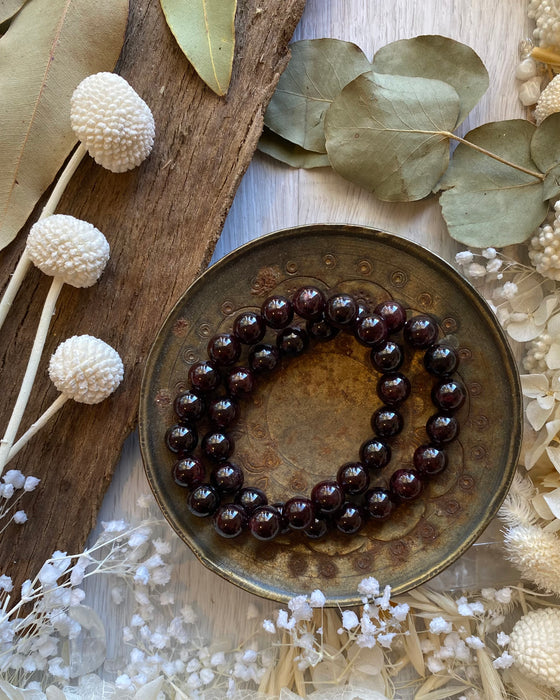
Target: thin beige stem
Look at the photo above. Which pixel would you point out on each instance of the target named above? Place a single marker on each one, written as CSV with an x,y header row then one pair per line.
x,y
29,377
14,284
42,421
63,180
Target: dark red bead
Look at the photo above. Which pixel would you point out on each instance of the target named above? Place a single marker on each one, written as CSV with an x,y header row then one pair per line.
x,y
188,472
284,525
420,331
189,406
264,358
299,512
353,478
327,497
224,349
203,500
317,529
249,327
441,360
350,518
309,303
393,313
181,438
204,376
449,394
387,422
250,497
371,331
223,412
227,477
217,446
230,520
322,330
379,504
442,429
341,311
292,341
240,381
277,311
375,454
388,358
393,389
429,460
265,523
406,484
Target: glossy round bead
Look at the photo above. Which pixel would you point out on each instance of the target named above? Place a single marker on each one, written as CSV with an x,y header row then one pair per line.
x,y
204,376
441,360
224,349
299,512
239,381
309,303
277,311
292,341
379,504
429,460
449,394
375,454
318,528
406,484
442,428
264,358
189,406
265,523
350,519
227,477
353,478
393,313
284,525
420,331
341,311
362,312
188,472
371,331
386,422
321,330
203,500
250,497
249,327
327,497
230,520
223,412
388,358
181,438
217,446
393,389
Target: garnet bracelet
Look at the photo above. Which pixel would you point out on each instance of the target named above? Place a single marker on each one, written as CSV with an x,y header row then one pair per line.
x,y
344,502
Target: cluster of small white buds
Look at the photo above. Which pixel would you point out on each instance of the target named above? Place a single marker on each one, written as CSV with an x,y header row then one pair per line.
x,y
534,361
547,20
544,248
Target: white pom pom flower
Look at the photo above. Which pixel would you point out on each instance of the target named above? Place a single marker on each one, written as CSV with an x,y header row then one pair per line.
x,y
68,248
86,369
549,101
535,646
112,121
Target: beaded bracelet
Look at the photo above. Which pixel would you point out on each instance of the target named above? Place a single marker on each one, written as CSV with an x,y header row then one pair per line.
x,y
345,502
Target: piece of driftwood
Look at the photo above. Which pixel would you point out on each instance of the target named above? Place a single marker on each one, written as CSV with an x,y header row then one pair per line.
x,y
162,221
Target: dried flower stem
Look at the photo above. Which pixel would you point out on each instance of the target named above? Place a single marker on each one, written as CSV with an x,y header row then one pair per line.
x,y
57,404
547,56
29,377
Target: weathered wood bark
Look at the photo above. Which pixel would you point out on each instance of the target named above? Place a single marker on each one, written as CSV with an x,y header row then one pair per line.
x,y
162,221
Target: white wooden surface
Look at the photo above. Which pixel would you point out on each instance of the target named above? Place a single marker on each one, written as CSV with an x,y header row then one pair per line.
x,y
272,196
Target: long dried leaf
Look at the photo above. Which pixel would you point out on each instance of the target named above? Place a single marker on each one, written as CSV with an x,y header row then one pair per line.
x,y
50,46
290,153
8,8
205,31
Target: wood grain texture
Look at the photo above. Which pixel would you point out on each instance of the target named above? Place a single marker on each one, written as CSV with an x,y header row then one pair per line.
x,y
162,221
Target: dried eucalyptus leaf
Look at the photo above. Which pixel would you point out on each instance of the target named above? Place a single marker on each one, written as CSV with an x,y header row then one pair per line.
x,y
70,40
440,58
390,134
290,153
8,8
488,203
315,75
205,32
545,151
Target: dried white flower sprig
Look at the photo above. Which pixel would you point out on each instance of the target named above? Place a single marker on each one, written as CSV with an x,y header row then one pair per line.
x,y
83,368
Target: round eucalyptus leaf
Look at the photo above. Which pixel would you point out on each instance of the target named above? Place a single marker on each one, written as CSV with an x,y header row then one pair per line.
x,y
290,153
545,151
